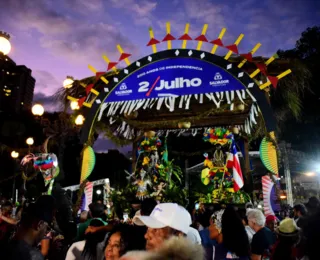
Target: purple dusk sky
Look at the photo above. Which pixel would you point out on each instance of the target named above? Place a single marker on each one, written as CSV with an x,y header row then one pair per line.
x,y
56,38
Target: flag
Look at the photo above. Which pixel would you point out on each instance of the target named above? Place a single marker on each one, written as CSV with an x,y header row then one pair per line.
x,y
234,164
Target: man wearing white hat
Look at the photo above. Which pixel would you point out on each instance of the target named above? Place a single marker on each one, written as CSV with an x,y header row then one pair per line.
x,y
166,220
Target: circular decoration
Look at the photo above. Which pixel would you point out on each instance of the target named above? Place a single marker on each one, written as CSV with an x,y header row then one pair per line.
x,y
268,155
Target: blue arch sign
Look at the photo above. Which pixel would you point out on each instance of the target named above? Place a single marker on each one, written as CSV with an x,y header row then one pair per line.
x,y
173,77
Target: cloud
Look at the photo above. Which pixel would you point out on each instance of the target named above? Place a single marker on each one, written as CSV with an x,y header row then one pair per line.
x,y
77,40
46,83
48,102
140,11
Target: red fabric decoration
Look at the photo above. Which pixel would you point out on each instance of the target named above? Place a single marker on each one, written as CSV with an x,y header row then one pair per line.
x,y
247,56
185,37
124,56
99,74
217,42
262,67
233,48
88,88
168,37
81,101
274,81
201,38
111,65
152,42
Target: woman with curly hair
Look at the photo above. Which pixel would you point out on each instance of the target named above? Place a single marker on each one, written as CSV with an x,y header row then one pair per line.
x,y
122,239
230,233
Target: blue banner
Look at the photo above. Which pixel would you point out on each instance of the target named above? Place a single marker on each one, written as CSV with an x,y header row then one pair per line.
x,y
174,77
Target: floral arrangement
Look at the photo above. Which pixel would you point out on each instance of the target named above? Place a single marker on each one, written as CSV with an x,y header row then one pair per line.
x,y
149,144
218,135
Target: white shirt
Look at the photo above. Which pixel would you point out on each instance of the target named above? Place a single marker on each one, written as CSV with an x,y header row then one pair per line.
x,y
194,236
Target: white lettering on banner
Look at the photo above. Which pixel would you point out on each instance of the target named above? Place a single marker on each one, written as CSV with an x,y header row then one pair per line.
x,y
173,84
218,80
124,91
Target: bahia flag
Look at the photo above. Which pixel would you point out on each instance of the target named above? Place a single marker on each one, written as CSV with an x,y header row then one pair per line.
x,y
234,164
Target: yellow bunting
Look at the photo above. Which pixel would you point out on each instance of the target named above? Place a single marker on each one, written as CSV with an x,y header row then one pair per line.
x,y
121,51
168,32
154,47
253,74
186,31
255,48
87,104
91,90
236,43
72,98
283,74
204,30
107,60
95,72
215,47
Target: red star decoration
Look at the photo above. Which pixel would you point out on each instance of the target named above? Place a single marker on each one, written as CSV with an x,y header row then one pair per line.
x,y
81,101
274,81
233,48
124,56
262,67
168,37
201,38
185,37
217,42
111,65
152,42
247,56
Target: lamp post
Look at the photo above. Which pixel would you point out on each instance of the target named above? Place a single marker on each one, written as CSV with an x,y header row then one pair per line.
x,y
79,120
37,110
67,83
14,156
5,45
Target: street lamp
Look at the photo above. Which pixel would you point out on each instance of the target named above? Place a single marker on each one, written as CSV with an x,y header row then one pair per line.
x,y
98,192
30,141
67,83
79,120
37,110
5,45
14,154
74,105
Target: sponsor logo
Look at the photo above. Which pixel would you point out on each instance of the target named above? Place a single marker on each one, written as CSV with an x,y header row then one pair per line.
x,y
218,80
173,84
123,90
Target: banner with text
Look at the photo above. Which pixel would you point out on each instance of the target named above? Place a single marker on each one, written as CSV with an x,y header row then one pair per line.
x,y
172,78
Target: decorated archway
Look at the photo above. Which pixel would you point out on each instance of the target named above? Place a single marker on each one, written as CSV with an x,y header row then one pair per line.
x,y
183,89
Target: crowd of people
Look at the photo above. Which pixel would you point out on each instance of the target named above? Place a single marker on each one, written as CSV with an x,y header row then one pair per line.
x,y
159,231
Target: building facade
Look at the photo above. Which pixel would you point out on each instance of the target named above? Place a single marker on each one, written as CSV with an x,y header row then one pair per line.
x,y
16,86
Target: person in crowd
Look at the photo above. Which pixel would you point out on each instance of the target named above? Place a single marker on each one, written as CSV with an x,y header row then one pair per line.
x,y
178,248
6,224
311,235
122,239
88,249
166,220
96,211
230,233
263,239
271,222
194,236
288,236
207,243
83,216
300,212
312,205
243,215
33,226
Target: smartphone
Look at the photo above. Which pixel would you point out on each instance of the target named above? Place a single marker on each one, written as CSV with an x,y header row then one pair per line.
x,y
197,206
125,217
